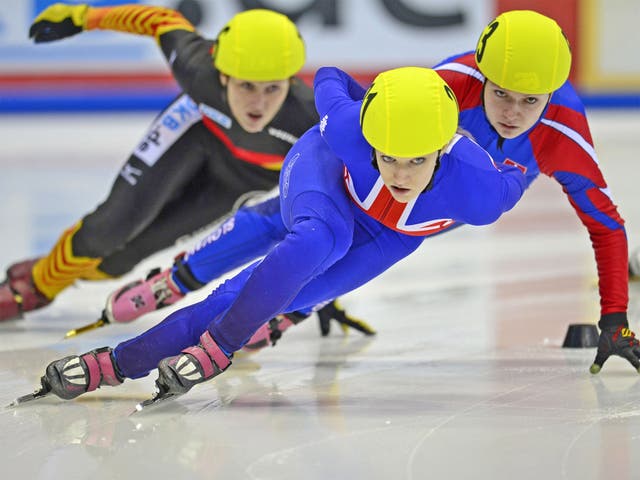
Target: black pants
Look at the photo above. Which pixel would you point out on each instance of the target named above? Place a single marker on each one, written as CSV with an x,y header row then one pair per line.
x,y
190,184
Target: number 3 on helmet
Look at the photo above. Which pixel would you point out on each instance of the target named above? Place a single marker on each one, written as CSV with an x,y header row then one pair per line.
x,y
525,52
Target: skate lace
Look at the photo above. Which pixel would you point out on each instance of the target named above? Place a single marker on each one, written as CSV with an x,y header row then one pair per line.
x,y
161,291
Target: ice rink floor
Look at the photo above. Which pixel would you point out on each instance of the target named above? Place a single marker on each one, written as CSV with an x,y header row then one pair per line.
x,y
465,379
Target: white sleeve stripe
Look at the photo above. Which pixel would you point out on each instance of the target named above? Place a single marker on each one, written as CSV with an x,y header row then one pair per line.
x,y
457,67
452,142
607,192
573,135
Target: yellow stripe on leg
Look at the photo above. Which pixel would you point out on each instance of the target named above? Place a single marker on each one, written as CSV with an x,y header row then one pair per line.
x,y
61,268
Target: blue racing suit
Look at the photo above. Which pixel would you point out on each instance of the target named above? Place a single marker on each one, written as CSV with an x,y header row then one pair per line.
x,y
343,228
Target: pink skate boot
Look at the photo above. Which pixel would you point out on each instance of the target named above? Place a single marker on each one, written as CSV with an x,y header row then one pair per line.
x,y
18,294
177,375
21,270
270,332
140,297
72,376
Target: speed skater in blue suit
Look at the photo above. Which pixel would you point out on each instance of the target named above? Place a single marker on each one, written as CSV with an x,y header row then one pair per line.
x,y
360,191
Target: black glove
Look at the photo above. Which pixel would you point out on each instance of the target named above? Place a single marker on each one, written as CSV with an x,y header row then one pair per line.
x,y
58,21
333,311
616,339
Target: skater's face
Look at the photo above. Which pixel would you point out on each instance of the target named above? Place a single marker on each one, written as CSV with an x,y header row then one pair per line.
x,y
512,113
406,177
254,104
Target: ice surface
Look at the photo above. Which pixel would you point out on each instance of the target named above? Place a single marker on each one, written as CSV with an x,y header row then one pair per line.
x,y
465,379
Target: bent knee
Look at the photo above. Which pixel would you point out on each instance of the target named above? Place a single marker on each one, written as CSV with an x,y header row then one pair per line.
x,y
324,238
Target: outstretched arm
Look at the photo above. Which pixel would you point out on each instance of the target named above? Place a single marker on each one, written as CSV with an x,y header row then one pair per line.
x,y
188,53
61,20
573,163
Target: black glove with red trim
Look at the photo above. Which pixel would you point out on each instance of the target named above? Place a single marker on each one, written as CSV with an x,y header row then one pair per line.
x,y
616,339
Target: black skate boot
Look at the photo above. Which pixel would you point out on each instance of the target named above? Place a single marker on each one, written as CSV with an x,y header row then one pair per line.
x,y
72,376
177,375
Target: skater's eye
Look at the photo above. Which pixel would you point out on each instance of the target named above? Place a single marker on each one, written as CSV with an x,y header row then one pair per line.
x,y
273,88
248,86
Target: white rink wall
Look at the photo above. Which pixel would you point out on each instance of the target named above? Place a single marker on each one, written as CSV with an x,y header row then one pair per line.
x,y
369,34
361,36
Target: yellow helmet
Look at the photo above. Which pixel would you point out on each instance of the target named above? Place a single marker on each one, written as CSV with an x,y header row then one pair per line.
x,y
524,51
259,45
409,112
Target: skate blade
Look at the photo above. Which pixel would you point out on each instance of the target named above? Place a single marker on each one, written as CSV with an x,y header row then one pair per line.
x,y
155,400
41,393
92,326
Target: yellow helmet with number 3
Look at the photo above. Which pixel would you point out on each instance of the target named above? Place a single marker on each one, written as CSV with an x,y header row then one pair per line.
x,y
524,51
409,112
259,45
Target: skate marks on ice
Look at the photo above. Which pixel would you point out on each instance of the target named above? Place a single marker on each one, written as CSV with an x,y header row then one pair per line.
x,y
465,379
366,408
511,420
440,378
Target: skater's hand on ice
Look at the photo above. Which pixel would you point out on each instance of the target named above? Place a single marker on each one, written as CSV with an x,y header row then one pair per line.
x,y
333,311
58,21
616,339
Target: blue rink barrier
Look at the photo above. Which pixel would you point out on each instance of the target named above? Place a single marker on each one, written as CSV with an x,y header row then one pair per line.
x,y
611,100
86,102
155,100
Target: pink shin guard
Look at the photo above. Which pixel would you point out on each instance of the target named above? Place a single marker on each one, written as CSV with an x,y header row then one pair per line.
x,y
211,357
268,334
21,270
18,294
101,369
196,364
74,375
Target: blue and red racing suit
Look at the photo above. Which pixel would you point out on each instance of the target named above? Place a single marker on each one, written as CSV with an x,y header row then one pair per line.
x,y
560,146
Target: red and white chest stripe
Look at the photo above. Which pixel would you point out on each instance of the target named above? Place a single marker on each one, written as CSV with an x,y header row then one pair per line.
x,y
380,205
